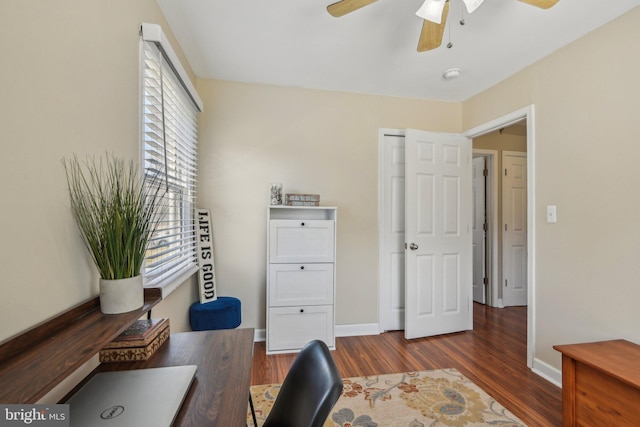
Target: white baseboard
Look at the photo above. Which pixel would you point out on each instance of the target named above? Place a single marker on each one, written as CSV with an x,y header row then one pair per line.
x,y
259,335
547,372
357,330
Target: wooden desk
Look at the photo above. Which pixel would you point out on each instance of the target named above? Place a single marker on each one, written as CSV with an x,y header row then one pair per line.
x,y
600,384
219,394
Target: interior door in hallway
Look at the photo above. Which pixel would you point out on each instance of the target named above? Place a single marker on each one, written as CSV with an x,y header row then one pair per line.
x,y
514,232
438,253
479,229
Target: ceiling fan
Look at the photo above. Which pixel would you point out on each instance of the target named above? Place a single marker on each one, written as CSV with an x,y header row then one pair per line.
x,y
434,13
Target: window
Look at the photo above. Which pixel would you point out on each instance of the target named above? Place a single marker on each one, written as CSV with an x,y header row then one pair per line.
x,y
169,144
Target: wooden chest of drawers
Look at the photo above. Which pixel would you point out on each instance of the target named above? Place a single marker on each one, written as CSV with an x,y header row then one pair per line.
x,y
600,384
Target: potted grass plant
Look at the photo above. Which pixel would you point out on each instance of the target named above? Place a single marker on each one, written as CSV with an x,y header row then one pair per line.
x,y
117,213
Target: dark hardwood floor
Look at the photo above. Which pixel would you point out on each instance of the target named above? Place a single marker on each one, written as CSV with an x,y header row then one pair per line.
x,y
493,355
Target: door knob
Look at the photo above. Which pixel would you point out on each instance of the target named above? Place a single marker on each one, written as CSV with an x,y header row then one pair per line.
x,y
413,246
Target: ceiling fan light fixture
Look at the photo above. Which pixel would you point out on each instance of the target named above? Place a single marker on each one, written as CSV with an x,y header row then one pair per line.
x,y
472,4
431,10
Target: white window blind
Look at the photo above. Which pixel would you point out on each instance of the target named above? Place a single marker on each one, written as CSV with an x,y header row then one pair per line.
x,y
169,144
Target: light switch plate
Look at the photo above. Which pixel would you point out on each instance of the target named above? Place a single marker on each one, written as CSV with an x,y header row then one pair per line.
x,y
552,216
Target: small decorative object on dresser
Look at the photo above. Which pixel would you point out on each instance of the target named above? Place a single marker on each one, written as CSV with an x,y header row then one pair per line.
x,y
138,342
302,199
118,212
276,193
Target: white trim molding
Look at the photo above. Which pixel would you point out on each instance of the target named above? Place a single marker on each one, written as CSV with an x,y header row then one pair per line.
x,y
491,201
170,285
527,113
153,33
259,335
357,330
547,372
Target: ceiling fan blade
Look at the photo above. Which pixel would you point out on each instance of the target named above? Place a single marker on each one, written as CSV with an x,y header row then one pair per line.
x,y
431,35
543,4
347,6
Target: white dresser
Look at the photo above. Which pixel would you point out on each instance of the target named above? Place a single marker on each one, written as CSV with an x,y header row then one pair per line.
x,y
301,248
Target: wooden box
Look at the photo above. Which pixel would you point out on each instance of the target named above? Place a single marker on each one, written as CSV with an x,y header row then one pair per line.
x,y
138,342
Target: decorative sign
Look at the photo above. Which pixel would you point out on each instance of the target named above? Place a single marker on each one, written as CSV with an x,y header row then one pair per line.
x,y
302,199
206,275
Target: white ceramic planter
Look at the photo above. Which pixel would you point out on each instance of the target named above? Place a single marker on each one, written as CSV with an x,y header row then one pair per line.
x,y
121,295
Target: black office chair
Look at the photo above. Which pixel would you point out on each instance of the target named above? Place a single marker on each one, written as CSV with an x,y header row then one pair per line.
x,y
311,388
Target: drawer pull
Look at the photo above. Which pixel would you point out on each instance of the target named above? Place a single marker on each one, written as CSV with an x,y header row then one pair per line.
x,y
302,310
302,267
302,224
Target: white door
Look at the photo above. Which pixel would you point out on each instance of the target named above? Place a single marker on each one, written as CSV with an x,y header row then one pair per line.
x,y
479,230
438,265
392,233
514,231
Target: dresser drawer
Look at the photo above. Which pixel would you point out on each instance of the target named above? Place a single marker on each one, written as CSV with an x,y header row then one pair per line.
x,y
290,328
300,284
301,241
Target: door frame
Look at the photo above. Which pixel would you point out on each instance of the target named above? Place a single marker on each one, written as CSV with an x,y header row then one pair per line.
x,y
491,197
527,113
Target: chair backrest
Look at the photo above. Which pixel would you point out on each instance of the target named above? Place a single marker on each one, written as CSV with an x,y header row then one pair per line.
x,y
311,388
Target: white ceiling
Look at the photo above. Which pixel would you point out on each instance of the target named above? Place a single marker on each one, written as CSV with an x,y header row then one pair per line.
x,y
373,50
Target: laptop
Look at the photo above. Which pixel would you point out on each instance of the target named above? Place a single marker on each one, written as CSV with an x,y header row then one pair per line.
x,y
137,397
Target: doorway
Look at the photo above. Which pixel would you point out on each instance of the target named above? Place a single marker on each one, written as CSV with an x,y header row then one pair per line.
x,y
391,187
500,212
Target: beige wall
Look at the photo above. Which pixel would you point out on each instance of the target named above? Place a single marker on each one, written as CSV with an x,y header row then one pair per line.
x,y
586,153
515,140
69,83
313,142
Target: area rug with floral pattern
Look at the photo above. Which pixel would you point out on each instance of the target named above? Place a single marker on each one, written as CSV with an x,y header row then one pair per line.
x,y
442,397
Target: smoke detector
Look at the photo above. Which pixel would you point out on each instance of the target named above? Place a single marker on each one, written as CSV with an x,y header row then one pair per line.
x,y
451,73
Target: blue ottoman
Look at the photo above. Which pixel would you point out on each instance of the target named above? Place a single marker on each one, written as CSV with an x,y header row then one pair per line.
x,y
223,313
